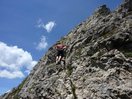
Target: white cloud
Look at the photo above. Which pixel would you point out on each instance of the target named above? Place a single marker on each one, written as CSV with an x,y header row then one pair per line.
x,y
42,44
40,23
48,27
13,60
11,74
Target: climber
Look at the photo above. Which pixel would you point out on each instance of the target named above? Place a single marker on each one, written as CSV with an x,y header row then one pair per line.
x,y
60,47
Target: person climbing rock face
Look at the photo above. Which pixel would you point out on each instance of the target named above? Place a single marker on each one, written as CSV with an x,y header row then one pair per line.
x,y
60,52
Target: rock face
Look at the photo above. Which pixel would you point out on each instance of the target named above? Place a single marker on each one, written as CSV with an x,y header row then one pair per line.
x,y
98,61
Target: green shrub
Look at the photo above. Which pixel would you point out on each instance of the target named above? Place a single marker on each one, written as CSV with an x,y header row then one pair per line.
x,y
128,54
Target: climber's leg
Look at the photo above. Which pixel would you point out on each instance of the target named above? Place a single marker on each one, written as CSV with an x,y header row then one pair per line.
x,y
57,59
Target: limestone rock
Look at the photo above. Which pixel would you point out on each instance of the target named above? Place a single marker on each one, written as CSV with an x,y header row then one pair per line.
x,y
98,62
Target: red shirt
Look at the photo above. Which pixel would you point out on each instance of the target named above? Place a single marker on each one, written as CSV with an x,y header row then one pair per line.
x,y
60,47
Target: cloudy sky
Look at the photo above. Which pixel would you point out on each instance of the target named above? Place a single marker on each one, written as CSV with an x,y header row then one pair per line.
x,y
29,27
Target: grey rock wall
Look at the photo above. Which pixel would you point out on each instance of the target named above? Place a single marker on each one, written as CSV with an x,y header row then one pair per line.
x,y
98,61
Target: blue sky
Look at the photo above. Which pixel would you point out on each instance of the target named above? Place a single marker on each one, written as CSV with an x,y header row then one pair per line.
x,y
29,27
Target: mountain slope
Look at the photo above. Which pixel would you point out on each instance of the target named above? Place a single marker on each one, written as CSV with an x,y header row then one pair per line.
x,y
98,61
